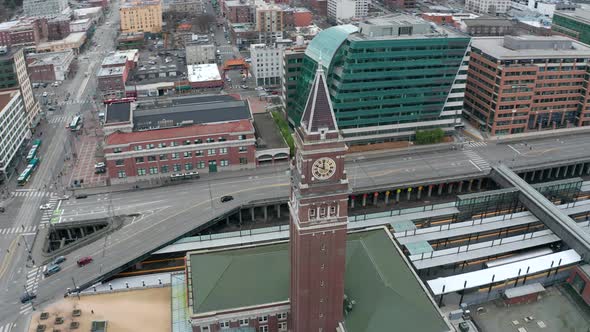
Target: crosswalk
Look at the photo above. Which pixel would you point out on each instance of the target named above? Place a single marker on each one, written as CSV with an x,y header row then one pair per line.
x,y
474,144
477,160
31,193
71,102
18,230
48,214
31,285
6,328
59,119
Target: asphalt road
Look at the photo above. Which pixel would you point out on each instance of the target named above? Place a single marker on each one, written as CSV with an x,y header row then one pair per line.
x,y
23,210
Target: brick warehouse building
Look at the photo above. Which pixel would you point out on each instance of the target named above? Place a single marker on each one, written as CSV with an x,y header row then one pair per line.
x,y
518,84
189,134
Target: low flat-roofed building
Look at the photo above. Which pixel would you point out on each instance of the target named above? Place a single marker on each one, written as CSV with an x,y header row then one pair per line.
x,y
127,41
271,147
72,42
225,287
207,133
52,66
81,25
93,13
488,26
111,80
204,76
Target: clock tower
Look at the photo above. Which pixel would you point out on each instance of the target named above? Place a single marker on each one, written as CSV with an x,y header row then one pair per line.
x,y
319,216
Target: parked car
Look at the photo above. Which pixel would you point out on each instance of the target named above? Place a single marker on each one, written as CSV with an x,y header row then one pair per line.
x,y
58,260
45,94
84,261
28,296
51,269
2,209
226,198
244,86
81,196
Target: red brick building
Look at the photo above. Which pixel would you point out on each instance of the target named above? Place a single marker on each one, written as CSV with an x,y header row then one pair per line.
x,y
237,11
27,31
297,17
190,134
580,281
320,7
518,84
112,79
58,28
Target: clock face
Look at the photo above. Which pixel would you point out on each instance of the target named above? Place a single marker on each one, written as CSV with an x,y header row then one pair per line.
x,y
323,168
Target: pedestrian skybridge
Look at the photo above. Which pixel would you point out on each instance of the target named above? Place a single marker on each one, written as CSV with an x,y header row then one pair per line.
x,y
554,218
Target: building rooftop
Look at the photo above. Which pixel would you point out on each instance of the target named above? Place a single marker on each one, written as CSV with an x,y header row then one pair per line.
x,y
388,27
488,21
72,38
55,58
8,25
110,71
87,11
121,138
139,3
114,60
118,112
581,14
8,52
6,97
190,110
203,73
385,289
267,132
531,47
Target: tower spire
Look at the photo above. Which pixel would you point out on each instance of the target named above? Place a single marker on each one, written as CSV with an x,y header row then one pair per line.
x,y
318,116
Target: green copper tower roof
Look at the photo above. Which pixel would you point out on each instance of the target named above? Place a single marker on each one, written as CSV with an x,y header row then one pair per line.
x,y
327,42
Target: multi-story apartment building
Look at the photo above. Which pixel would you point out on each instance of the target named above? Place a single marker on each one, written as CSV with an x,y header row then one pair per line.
x,y
575,24
292,63
13,75
26,31
49,67
517,84
14,129
239,11
490,7
141,16
388,78
339,10
266,65
188,134
46,8
269,22
58,27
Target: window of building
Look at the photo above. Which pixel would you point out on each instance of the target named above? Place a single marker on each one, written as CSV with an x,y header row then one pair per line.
x,y
117,150
210,140
263,328
153,170
141,171
161,145
312,213
222,150
222,139
204,328
198,153
187,154
121,174
138,160
150,146
211,152
283,326
164,169
322,212
244,322
137,147
201,164
188,166
119,162
263,319
174,143
243,149
332,211
282,316
242,137
198,141
175,155
163,157
151,158
176,167
224,325
224,163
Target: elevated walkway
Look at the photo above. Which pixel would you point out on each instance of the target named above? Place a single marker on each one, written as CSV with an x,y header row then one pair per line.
x,y
561,224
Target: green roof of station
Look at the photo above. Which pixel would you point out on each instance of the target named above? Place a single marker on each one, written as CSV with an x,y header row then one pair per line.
x,y
384,288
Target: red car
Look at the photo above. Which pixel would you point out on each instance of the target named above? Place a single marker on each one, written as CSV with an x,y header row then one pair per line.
x,y
84,261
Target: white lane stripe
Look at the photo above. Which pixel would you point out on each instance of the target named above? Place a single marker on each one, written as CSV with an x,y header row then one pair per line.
x,y
510,146
471,161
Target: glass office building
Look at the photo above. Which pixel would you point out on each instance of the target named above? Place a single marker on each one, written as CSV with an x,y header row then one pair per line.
x,y
388,78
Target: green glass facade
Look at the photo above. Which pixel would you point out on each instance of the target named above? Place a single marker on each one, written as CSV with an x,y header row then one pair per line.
x,y
8,77
570,26
382,82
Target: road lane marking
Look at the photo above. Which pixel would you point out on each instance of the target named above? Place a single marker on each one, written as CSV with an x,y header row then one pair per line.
x,y
472,163
515,150
8,257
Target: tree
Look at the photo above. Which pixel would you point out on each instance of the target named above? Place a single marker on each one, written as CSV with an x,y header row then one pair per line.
x,y
429,136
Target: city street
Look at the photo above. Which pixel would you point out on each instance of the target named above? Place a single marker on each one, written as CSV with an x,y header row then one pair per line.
x,y
22,211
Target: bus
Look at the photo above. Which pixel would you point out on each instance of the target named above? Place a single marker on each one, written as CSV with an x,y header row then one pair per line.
x,y
74,125
26,174
34,150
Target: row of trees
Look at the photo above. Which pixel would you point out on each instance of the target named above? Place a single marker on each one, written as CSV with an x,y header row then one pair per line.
x,y
429,136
